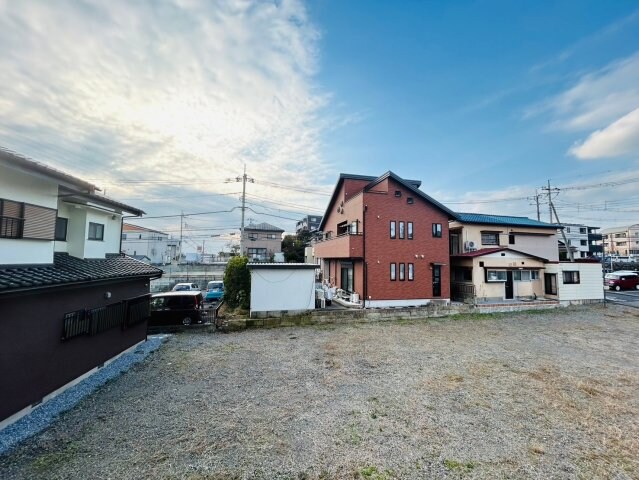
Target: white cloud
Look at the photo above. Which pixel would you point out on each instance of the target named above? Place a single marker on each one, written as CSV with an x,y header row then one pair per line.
x,y
617,139
183,91
603,103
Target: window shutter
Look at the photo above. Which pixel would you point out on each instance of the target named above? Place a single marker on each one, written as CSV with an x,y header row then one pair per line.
x,y
11,209
39,222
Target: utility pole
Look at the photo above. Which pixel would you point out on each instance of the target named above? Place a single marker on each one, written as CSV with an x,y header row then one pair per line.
x,y
552,209
181,224
537,202
244,178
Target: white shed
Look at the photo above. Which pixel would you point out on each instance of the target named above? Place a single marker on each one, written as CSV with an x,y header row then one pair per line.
x,y
282,288
574,282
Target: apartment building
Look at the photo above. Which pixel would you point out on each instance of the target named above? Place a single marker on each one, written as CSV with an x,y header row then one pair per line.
x,y
622,241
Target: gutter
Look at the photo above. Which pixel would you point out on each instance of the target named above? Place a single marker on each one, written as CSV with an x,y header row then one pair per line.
x,y
365,293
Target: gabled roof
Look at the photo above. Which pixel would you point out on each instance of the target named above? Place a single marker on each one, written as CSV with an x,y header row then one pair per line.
x,y
412,185
68,270
15,160
262,227
483,219
486,251
129,227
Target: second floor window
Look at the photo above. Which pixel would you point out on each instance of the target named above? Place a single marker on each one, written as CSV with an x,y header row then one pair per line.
x,y
96,231
61,229
393,271
489,238
402,271
270,236
393,233
401,230
252,236
437,230
409,232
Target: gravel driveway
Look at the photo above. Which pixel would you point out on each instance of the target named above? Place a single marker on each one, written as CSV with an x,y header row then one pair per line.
x,y
544,395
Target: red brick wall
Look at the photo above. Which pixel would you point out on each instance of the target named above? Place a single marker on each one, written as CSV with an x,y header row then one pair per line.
x,y
381,250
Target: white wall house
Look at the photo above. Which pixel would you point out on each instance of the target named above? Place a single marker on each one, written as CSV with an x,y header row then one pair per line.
x,y
578,239
282,287
156,245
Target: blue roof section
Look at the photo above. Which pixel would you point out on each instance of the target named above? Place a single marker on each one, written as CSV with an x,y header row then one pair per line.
x,y
503,220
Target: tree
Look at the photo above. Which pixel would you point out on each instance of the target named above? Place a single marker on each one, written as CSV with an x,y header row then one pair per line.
x,y
293,246
237,283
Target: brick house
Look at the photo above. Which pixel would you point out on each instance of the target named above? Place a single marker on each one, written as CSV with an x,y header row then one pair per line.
x,y
69,301
385,240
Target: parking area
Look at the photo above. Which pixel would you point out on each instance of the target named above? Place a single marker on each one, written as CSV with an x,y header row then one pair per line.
x,y
546,394
624,297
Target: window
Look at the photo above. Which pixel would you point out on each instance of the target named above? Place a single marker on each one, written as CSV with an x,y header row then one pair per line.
x,y
392,228
252,236
410,200
124,236
409,226
393,272
521,275
437,230
347,276
489,238
584,242
534,274
571,276
401,230
11,219
96,231
411,272
398,193
402,272
567,229
582,230
354,228
61,229
495,275
270,236
511,239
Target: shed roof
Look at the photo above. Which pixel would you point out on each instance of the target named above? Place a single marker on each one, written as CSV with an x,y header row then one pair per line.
x,y
282,266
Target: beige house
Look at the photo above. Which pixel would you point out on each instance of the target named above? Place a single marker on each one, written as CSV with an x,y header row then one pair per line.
x,y
261,241
621,240
497,257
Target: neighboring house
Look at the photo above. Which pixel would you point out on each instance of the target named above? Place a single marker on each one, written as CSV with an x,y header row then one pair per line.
x,y
155,245
261,241
282,288
580,238
621,240
310,223
574,282
497,257
69,300
385,241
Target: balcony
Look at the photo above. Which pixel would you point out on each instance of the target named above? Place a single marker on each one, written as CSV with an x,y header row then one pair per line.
x,y
594,237
348,245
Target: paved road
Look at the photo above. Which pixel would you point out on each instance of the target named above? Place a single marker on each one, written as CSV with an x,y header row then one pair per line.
x,y
624,297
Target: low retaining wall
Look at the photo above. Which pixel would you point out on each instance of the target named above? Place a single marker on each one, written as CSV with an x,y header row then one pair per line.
x,y
321,317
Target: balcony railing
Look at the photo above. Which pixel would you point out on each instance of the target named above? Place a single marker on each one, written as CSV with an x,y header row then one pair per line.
x,y
346,245
11,227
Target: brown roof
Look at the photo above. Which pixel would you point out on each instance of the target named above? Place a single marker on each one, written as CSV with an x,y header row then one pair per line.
x,y
129,227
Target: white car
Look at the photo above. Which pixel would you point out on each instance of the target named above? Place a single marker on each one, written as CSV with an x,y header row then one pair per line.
x,y
186,287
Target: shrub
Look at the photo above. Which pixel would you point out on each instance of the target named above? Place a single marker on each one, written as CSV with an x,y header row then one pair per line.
x,y
237,283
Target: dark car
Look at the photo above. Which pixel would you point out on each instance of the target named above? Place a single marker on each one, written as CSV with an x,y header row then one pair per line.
x,y
177,308
622,281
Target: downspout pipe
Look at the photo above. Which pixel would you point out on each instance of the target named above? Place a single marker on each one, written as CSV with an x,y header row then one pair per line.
x,y
365,264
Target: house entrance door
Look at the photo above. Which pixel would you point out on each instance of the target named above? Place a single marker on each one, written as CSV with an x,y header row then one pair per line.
x,y
509,284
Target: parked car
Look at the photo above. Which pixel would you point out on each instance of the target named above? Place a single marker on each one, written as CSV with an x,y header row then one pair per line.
x,y
214,291
175,308
185,287
621,280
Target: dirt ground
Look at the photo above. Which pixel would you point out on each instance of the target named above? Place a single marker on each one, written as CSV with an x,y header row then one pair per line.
x,y
551,394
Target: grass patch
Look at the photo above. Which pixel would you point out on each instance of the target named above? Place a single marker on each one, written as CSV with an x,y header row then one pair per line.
x,y
373,473
50,461
454,465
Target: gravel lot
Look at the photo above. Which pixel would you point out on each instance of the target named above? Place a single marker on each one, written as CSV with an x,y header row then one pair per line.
x,y
543,395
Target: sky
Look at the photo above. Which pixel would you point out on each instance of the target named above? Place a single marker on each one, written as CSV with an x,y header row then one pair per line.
x,y
162,104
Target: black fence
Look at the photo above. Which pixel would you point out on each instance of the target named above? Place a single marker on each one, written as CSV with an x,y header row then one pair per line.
x,y
462,292
124,314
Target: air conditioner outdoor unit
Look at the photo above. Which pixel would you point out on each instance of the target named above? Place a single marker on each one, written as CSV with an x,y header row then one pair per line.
x,y
470,246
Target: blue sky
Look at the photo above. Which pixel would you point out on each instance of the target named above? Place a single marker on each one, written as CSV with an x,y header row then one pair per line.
x,y
160,102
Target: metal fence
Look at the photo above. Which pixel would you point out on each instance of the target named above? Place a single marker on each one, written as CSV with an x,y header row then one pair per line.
x,y
93,321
